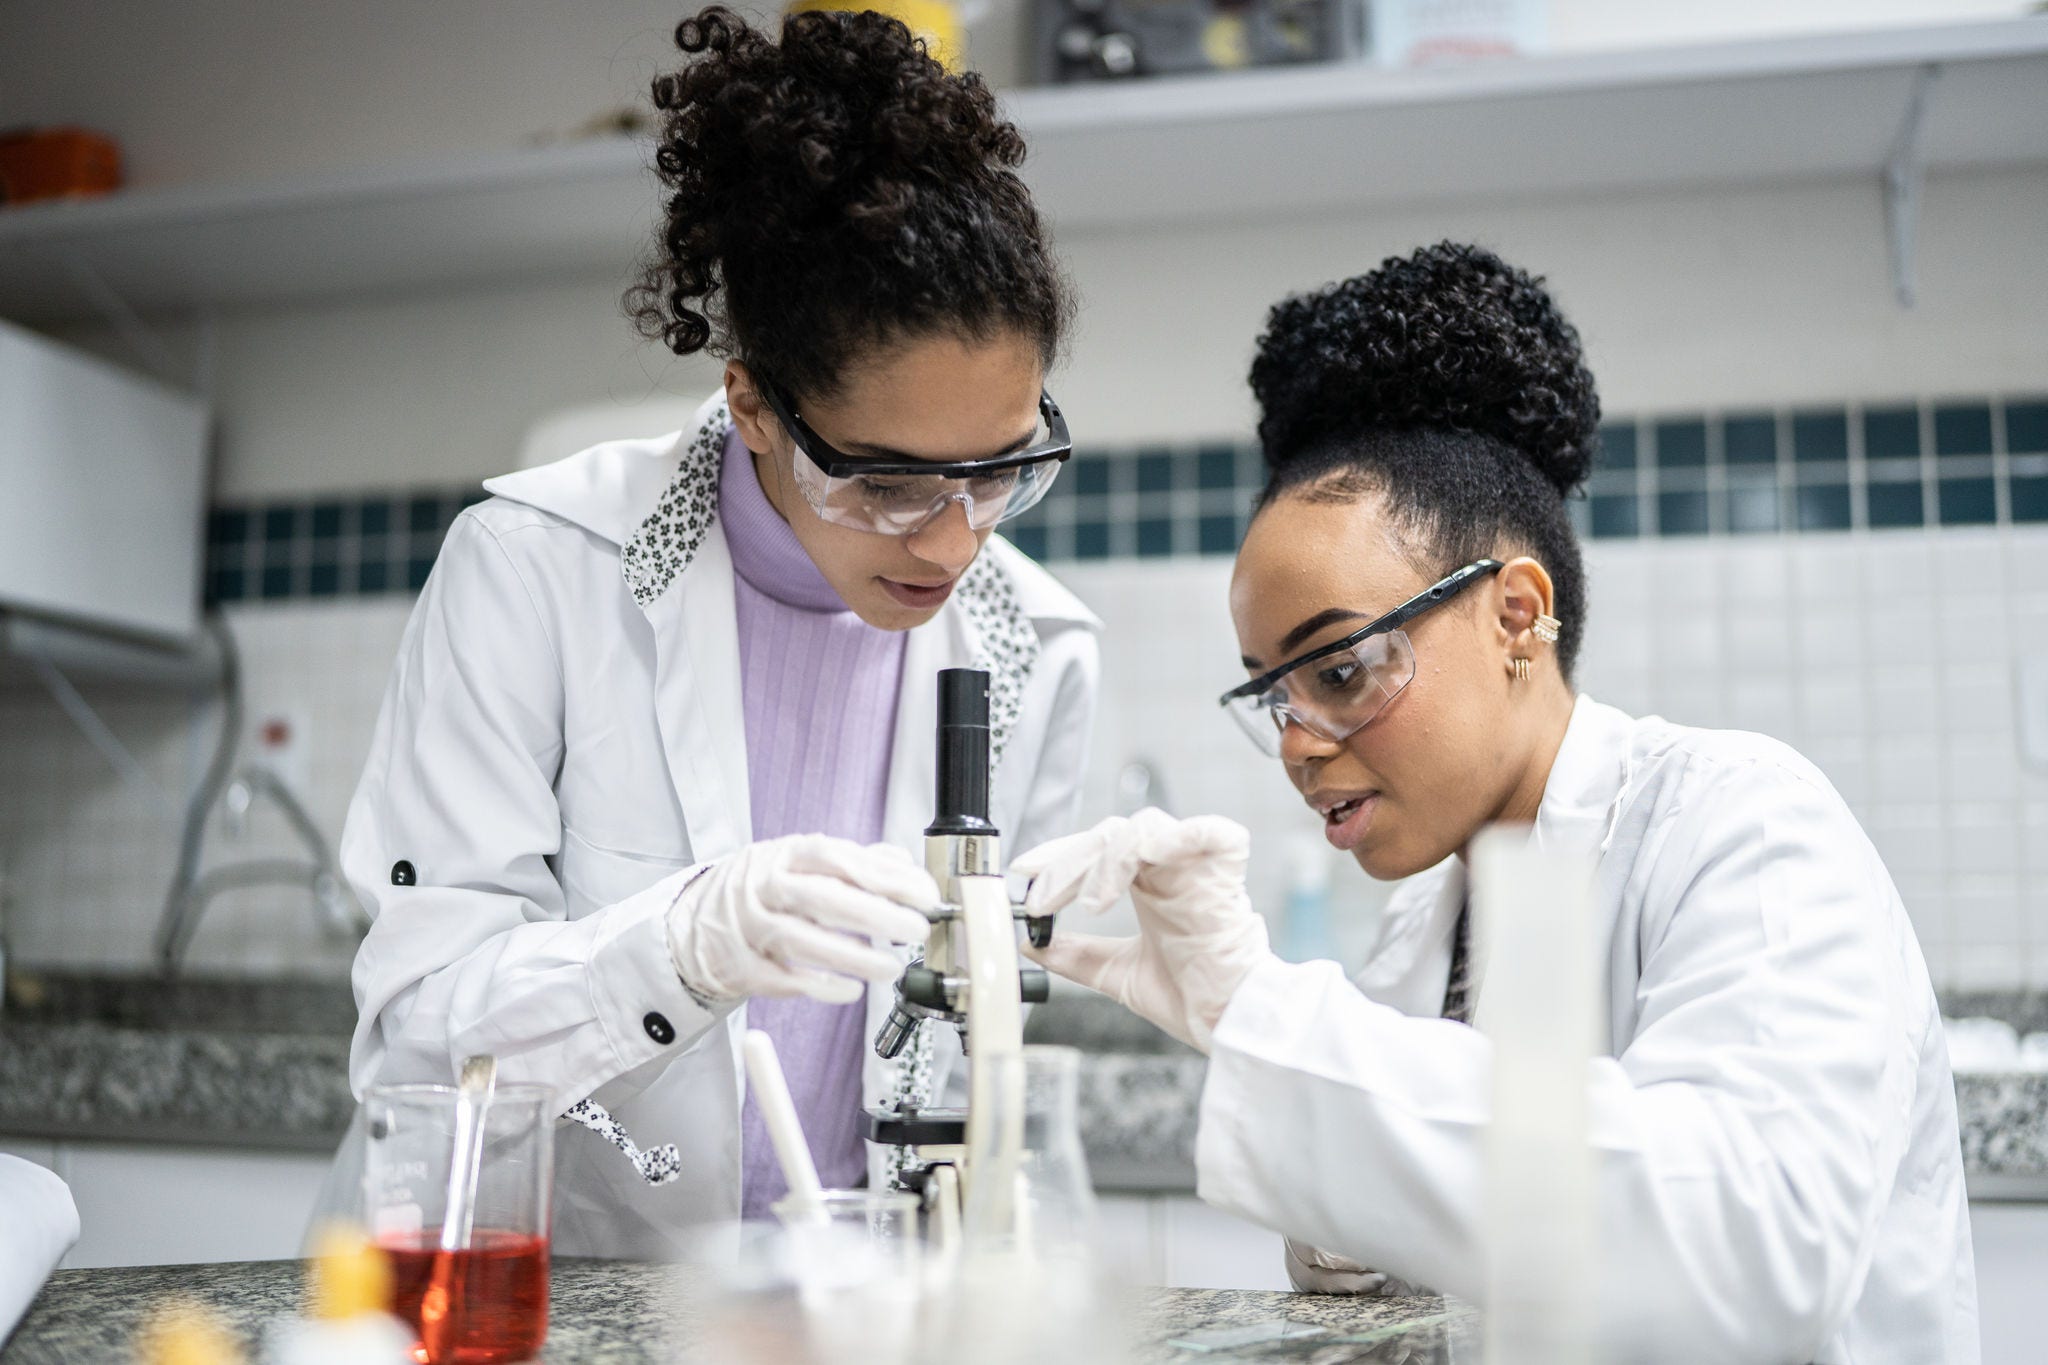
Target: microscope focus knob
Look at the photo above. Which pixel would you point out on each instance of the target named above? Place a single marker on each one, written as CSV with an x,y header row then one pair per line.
x,y
1034,987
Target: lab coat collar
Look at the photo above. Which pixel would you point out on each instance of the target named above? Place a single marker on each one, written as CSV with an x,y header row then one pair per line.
x,y
1587,778
611,488
1580,800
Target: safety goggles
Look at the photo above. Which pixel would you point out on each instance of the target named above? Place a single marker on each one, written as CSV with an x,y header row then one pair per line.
x,y
1335,690
896,497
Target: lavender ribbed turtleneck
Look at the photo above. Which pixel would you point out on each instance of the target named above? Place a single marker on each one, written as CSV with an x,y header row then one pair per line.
x,y
820,690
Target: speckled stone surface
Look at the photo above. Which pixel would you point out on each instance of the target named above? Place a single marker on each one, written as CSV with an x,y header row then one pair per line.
x,y
264,1064
172,1085
600,1312
608,1313
2004,1117
1421,1330
2026,1011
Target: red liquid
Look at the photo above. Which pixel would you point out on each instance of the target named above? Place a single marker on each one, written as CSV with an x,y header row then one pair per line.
x,y
498,1288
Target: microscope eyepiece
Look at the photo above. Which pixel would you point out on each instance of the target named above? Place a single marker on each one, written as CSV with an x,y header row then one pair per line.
x,y
963,754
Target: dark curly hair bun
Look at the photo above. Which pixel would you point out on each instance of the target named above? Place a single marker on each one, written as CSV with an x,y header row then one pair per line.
x,y
1451,338
833,188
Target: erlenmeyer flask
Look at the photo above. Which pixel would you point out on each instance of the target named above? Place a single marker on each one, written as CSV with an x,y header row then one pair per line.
x,y
1025,1286
1036,1200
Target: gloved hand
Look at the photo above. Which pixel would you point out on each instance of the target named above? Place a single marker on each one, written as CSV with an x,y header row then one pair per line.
x,y
1315,1271
792,916
1198,936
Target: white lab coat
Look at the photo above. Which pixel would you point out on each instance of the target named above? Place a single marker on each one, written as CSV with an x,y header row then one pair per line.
x,y
38,1224
1773,1117
553,758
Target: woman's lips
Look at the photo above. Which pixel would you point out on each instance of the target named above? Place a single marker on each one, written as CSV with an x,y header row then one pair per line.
x,y
917,595
1345,826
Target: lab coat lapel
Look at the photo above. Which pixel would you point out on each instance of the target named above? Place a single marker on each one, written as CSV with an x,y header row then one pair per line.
x,y
1586,779
1580,803
697,694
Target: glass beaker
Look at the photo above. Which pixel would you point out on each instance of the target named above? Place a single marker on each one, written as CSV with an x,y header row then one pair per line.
x,y
858,1273
498,1285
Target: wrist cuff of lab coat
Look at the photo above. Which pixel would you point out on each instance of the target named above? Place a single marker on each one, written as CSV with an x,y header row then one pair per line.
x,y
634,990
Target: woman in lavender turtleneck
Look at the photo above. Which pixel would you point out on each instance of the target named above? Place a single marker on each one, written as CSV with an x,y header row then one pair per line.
x,y
657,750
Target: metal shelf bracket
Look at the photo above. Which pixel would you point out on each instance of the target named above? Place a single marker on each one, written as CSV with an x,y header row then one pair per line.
x,y
1904,172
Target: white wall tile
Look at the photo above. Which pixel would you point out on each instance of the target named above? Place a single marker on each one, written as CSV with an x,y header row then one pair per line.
x,y
1907,770
1900,569
1857,649
1831,705
1980,967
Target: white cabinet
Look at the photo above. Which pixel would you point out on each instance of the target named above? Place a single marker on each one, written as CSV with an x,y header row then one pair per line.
x,y
105,473
2011,1242
142,1204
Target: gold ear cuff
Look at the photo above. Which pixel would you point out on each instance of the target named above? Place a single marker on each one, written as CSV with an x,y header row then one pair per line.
x,y
1545,629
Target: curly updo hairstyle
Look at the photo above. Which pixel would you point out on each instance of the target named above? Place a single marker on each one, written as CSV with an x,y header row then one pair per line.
x,y
833,190
1447,385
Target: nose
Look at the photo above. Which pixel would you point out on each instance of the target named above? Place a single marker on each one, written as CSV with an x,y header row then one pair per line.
x,y
1300,745
946,539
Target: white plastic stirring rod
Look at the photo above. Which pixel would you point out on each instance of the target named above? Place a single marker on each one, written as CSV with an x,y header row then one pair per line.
x,y
778,1111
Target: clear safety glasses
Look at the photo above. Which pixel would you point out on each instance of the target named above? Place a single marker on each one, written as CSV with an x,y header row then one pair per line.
x,y
896,497
1335,690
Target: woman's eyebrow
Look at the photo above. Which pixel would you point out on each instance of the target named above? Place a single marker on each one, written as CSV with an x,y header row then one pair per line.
x,y
1329,616
890,455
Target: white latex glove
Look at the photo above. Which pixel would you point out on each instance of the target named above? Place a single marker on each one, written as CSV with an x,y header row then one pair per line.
x,y
793,916
1315,1271
1198,936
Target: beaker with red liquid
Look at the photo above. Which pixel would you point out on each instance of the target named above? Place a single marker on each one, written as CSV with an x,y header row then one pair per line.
x,y
487,1303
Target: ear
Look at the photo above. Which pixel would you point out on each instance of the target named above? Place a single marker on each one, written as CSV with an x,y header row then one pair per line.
x,y
757,426
1524,592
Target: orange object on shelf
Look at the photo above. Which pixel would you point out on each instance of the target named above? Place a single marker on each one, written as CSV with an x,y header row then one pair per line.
x,y
57,163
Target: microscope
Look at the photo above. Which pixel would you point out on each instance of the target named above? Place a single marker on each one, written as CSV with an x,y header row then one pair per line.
x,y
971,977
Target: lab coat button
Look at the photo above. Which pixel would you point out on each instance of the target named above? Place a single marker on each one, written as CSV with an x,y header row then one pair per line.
x,y
659,1028
402,873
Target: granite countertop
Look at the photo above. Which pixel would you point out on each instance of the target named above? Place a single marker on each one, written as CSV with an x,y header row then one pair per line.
x,y
247,1063
263,1063
613,1313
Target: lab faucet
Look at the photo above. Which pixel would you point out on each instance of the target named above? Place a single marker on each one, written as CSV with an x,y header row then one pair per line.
x,y
237,792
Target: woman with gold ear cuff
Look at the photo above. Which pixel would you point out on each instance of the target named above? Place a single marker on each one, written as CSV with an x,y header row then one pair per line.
x,y
1778,1170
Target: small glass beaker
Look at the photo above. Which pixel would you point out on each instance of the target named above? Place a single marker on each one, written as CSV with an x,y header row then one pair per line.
x,y
497,1286
858,1272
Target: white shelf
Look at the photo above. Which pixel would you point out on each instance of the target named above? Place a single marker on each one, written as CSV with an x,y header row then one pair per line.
x,y
1105,158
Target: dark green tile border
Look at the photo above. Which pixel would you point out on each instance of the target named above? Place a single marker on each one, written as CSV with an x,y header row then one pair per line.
x,y
1952,462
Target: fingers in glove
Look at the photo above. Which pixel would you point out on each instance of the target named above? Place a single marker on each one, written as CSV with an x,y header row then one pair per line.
x,y
881,869
1096,961
790,941
1087,872
1167,840
831,902
1072,850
